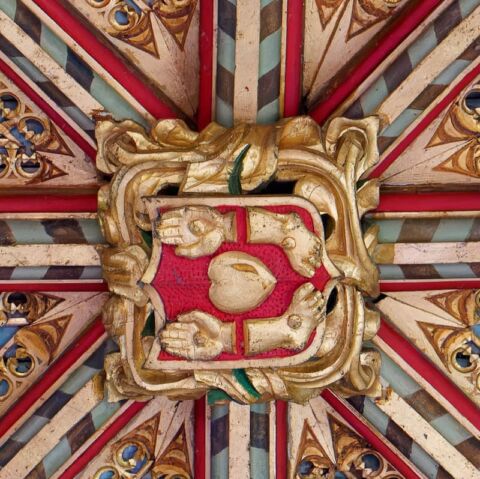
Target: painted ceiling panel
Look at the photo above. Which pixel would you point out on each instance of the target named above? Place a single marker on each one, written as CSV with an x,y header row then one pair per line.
x,y
66,63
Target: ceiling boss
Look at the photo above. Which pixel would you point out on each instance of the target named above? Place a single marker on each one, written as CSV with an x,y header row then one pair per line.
x,y
217,281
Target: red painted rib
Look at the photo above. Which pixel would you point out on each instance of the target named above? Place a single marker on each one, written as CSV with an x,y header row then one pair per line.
x,y
403,285
395,36
48,204
425,122
200,447
205,100
352,420
112,63
293,58
73,286
430,373
438,201
89,150
123,419
51,376
281,439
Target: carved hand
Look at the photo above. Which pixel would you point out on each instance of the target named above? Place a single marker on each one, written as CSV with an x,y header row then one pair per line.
x,y
195,230
302,247
197,336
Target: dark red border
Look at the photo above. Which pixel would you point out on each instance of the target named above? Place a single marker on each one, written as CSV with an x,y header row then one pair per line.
x,y
206,42
112,63
281,439
88,149
48,204
406,25
405,285
293,58
82,461
352,420
425,122
438,201
429,372
81,286
51,376
199,441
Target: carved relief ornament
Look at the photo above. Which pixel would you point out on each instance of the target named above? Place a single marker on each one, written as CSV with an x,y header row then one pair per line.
x,y
226,285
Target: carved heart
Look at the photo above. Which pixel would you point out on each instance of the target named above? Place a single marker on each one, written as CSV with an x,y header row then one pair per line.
x,y
240,282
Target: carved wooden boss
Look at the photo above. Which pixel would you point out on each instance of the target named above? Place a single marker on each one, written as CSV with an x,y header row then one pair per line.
x,y
225,286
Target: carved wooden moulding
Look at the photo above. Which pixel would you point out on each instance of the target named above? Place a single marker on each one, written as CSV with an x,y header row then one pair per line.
x,y
220,283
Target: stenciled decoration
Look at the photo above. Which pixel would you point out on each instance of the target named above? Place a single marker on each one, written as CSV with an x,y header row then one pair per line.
x,y
365,13
21,308
25,142
133,455
32,346
458,347
353,456
461,125
131,21
222,287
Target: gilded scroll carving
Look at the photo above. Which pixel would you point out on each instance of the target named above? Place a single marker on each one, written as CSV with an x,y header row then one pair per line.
x,y
238,292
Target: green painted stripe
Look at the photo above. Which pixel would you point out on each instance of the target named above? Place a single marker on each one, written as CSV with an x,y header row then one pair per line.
x,y
270,52
454,229
241,376
223,113
226,51
9,7
269,113
54,46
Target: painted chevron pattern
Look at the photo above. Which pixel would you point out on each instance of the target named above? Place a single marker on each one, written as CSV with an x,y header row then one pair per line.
x,y
86,78
46,412
259,439
401,68
219,426
268,102
225,79
428,230
429,409
51,231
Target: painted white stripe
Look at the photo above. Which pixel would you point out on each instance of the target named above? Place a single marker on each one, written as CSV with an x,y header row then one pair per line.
x,y
239,441
247,51
427,437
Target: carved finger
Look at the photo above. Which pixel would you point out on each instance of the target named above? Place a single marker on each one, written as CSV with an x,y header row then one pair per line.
x,y
165,231
168,343
192,251
173,240
181,352
172,214
304,291
175,334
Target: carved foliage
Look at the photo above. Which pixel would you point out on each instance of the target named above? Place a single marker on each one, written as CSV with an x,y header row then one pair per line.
x,y
353,456
458,347
325,166
25,141
461,124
